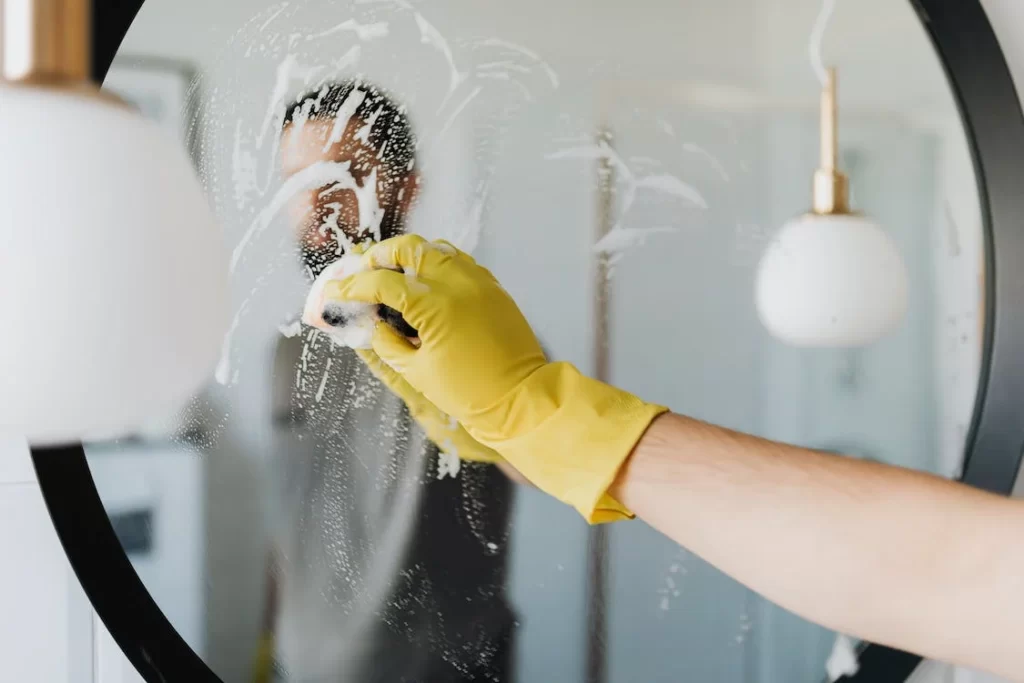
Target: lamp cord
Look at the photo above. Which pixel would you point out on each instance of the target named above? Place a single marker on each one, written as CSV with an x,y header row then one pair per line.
x,y
817,35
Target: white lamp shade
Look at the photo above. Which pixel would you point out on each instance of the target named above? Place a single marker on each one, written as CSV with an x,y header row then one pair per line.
x,y
831,281
113,273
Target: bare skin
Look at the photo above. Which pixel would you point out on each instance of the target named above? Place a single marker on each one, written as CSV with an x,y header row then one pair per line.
x,y
886,554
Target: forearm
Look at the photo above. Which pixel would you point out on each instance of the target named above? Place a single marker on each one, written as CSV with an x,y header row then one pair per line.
x,y
886,554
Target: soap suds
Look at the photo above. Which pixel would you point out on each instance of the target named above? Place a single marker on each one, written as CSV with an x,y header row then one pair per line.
x,y
448,463
290,330
359,319
323,381
515,47
711,158
670,184
288,70
273,16
458,110
243,170
348,59
364,32
342,117
431,36
843,659
222,374
619,240
316,175
505,65
363,134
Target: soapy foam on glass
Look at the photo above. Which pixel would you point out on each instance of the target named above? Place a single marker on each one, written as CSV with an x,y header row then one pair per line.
x,y
843,659
358,319
510,59
448,463
620,239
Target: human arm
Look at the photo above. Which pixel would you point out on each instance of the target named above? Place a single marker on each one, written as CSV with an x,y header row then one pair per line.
x,y
886,554
891,555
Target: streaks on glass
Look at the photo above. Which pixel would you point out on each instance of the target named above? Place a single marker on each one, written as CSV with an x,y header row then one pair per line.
x,y
693,148
430,36
671,588
474,493
745,627
320,174
619,240
636,176
749,242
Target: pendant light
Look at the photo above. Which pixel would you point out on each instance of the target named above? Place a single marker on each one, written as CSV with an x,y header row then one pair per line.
x,y
832,277
113,273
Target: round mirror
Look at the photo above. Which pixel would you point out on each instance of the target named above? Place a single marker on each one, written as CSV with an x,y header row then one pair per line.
x,y
621,168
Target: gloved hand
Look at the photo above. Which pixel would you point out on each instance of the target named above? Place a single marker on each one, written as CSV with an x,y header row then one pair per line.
x,y
443,430
480,362
263,662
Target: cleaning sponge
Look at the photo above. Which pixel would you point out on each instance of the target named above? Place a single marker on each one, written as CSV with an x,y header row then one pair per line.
x,y
348,323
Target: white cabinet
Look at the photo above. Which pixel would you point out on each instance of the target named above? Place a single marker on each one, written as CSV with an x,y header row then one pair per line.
x,y
46,622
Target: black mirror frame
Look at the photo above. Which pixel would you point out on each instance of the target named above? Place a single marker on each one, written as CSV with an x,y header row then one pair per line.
x,y
992,118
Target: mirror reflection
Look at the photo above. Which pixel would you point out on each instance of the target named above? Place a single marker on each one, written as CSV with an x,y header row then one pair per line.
x,y
621,169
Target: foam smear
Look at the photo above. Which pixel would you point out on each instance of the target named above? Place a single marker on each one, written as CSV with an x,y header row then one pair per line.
x,y
363,134
458,111
222,374
315,176
618,240
448,463
288,70
358,319
243,170
290,330
364,32
431,36
660,182
670,184
344,115
843,659
711,159
514,47
370,212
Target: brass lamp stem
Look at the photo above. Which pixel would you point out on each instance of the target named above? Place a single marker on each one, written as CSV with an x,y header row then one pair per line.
x,y
831,186
45,42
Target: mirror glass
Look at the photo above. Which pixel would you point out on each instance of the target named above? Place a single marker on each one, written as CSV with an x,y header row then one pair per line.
x,y
620,167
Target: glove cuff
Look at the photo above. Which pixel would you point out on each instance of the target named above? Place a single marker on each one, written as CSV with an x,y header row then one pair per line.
x,y
569,435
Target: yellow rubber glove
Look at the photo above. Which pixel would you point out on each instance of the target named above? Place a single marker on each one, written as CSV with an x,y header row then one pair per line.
x,y
263,664
445,431
479,361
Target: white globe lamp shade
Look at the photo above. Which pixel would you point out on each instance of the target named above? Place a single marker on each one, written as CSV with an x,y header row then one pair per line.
x,y
831,278
831,281
113,272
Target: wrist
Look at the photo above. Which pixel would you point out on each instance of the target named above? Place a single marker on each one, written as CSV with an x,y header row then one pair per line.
x,y
570,434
